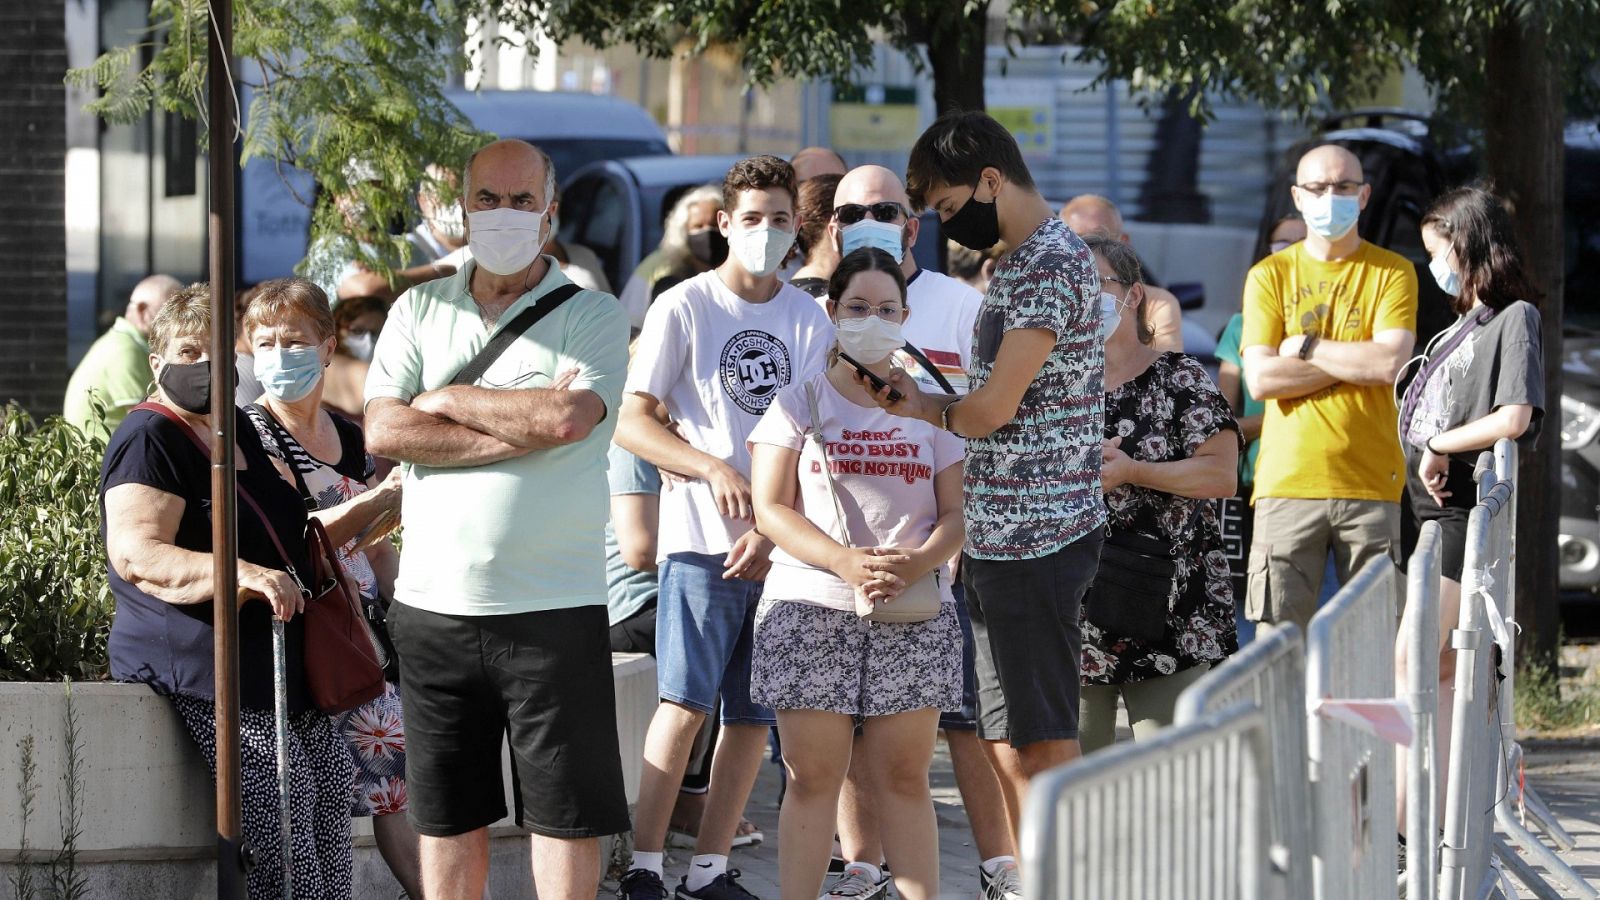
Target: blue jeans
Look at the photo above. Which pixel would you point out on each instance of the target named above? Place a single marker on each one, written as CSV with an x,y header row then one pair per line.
x,y
705,627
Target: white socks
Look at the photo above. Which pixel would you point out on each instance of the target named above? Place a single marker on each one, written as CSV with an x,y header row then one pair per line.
x,y
994,864
703,869
651,861
873,873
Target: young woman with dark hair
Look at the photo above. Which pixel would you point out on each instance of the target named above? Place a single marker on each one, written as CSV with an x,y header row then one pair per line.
x,y
1480,380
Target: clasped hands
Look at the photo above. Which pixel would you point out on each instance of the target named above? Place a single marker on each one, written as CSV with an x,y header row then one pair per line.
x,y
877,575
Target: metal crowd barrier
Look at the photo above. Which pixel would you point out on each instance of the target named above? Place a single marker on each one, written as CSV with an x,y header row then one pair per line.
x,y
1270,675
1350,655
1181,816
1421,631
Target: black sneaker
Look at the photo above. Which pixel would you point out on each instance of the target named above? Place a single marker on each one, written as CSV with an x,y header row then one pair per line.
x,y
641,884
723,887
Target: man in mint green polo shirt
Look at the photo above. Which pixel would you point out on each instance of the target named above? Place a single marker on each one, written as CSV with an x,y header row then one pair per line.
x,y
116,370
500,614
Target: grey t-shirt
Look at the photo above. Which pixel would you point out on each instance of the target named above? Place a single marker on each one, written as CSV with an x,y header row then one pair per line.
x,y
628,590
1499,364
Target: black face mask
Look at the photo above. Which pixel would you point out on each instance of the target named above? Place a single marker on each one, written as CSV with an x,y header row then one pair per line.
x,y
975,226
188,385
708,246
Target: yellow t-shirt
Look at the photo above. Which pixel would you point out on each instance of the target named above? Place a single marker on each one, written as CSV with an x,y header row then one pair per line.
x,y
1339,442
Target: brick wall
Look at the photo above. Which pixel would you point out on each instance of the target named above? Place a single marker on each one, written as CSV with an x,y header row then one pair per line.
x,y
33,252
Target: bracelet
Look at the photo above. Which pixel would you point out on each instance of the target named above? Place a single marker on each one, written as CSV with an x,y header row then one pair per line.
x,y
1428,446
1307,344
944,417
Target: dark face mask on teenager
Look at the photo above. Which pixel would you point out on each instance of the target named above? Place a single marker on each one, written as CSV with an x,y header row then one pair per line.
x,y
708,247
976,225
188,385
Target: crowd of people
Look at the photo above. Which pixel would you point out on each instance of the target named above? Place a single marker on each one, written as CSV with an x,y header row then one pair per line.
x,y
847,503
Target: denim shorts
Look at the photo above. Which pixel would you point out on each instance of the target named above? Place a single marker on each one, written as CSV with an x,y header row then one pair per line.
x,y
705,627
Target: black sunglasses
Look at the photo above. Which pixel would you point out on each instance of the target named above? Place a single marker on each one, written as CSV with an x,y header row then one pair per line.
x,y
882,211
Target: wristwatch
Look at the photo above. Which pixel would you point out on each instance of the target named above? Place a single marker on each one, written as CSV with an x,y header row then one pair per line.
x,y
1307,344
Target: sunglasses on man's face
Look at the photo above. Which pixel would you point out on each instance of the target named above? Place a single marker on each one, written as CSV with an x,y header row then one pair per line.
x,y
883,211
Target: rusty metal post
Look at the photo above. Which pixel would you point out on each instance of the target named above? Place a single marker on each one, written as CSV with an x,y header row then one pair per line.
x,y
232,858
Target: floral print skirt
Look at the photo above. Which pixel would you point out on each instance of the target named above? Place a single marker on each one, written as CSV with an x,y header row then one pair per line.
x,y
812,657
375,734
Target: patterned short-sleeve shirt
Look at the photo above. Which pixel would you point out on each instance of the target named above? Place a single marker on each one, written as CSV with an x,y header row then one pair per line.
x,y
1033,486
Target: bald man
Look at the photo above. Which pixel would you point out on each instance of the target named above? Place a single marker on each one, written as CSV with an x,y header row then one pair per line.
x,y
116,370
871,209
1327,325
1088,214
814,161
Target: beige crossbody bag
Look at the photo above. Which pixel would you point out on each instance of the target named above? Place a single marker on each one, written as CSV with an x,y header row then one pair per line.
x,y
920,601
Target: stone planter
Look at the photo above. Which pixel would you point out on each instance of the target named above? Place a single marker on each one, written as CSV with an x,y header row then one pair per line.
x,y
147,800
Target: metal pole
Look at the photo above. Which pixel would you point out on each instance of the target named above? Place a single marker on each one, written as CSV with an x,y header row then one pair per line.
x,y
231,853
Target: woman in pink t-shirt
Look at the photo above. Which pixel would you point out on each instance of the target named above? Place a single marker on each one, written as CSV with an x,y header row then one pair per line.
x,y
817,660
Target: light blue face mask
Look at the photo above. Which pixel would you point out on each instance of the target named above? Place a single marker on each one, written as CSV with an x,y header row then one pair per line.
x,y
886,236
288,374
1110,315
1449,280
1331,215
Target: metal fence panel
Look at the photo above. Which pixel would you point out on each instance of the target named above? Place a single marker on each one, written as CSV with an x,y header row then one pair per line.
x,y
1422,689
1269,675
1181,815
1350,655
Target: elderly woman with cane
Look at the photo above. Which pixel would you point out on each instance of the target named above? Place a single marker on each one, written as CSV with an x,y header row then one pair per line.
x,y
155,489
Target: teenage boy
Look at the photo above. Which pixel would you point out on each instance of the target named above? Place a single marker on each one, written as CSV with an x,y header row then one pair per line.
x,y
714,352
1032,419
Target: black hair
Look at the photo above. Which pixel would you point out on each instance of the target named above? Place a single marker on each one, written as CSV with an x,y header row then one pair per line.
x,y
956,149
1484,239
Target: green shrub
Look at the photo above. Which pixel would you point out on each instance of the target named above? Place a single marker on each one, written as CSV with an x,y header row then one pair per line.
x,y
55,605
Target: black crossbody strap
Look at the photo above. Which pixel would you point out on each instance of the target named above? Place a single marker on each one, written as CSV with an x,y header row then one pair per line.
x,y
513,330
928,366
276,429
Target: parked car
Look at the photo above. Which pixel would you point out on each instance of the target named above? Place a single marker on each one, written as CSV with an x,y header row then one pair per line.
x,y
574,129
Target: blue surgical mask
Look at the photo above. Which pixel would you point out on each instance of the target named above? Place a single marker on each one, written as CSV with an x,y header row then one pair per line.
x,y
886,236
1331,215
288,374
1449,280
1110,315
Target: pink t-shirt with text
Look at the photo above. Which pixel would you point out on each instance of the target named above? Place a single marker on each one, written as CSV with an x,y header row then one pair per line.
x,y
883,468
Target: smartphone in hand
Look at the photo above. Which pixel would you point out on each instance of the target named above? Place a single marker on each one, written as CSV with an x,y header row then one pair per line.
x,y
877,382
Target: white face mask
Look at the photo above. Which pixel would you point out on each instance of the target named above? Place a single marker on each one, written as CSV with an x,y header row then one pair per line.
x,y
1110,315
505,241
447,221
761,249
868,340
361,345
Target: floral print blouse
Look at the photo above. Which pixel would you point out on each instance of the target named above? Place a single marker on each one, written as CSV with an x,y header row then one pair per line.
x,y
1162,415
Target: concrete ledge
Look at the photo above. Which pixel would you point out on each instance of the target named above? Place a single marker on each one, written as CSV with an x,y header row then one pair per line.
x,y
148,803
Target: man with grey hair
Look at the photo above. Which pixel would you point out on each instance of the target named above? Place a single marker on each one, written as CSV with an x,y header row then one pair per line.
x,y
500,606
116,370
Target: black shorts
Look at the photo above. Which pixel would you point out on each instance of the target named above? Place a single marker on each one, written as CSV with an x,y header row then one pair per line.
x,y
544,678
1029,640
1452,517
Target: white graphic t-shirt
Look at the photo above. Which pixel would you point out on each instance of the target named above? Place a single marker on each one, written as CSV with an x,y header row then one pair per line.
x,y
717,361
883,469
944,313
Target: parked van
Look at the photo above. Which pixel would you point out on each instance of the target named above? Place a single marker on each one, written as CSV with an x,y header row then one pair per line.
x,y
575,129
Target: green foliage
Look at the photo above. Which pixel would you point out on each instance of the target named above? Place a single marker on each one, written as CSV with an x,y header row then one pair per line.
x,y
55,606
65,882
28,787
1546,707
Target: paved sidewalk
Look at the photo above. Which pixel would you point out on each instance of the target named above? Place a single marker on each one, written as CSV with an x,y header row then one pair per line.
x,y
1567,776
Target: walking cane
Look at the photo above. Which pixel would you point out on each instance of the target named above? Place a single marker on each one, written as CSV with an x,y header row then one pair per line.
x,y
280,711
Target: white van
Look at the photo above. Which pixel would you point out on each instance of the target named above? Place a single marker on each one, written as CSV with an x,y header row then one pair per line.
x,y
575,129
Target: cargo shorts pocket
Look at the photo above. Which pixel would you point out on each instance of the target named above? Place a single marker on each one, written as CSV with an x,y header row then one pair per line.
x,y
1258,586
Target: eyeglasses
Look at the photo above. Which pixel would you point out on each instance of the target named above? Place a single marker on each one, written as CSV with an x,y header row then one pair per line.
x,y
882,211
857,309
1115,280
1342,188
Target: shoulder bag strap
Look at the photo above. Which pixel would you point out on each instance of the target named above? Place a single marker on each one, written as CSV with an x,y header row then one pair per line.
x,y
276,429
928,366
513,330
1413,395
243,494
827,471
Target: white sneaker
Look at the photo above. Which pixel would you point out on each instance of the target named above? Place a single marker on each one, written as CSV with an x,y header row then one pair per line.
x,y
1005,884
855,884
